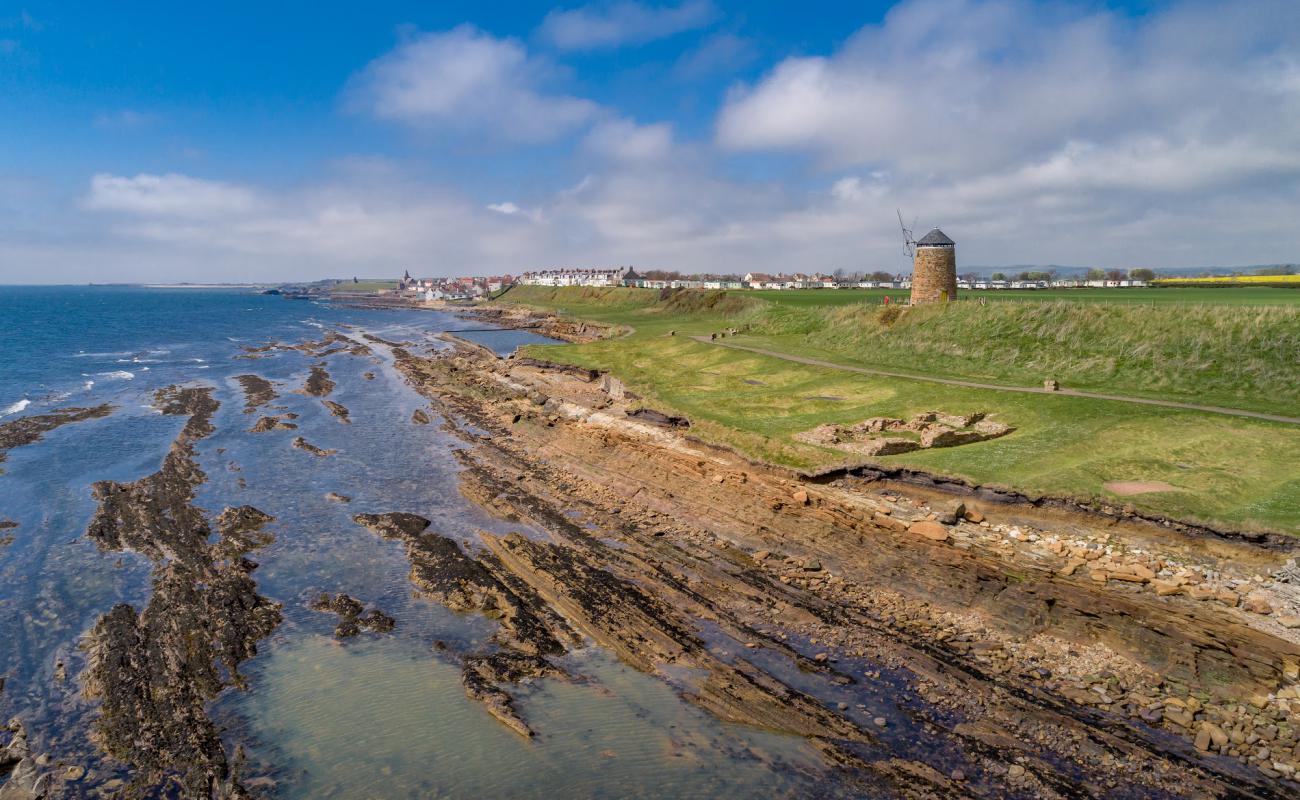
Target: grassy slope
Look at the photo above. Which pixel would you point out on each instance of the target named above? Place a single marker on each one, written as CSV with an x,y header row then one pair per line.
x,y
1229,471
1236,356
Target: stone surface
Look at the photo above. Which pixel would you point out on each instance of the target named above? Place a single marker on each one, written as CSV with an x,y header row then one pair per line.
x,y
930,530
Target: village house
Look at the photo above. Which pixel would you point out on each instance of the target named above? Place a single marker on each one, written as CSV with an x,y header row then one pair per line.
x,y
576,277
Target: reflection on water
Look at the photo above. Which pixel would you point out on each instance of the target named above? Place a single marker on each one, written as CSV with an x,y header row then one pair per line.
x,y
385,718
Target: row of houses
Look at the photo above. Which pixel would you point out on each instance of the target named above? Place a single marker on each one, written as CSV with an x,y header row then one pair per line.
x,y
626,276
465,288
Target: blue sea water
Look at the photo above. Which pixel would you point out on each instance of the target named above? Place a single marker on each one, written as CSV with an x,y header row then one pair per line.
x,y
319,718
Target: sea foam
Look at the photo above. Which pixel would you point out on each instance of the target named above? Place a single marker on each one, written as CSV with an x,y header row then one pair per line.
x,y
15,407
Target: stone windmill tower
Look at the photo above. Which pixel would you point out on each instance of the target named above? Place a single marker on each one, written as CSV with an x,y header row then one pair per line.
x,y
934,269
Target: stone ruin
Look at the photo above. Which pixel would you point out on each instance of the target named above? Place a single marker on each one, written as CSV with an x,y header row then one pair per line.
x,y
886,436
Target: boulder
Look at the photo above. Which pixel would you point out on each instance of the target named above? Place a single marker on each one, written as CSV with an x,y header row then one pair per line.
x,y
991,429
1257,603
929,529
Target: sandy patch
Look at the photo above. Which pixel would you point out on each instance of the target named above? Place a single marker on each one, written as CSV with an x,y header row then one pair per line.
x,y
1126,488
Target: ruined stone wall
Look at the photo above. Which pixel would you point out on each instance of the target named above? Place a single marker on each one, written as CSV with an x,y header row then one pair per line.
x,y
934,275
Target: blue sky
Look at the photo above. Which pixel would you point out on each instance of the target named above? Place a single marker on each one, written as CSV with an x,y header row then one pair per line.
x,y
293,140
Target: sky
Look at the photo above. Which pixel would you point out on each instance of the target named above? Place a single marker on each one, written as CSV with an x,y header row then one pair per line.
x,y
294,140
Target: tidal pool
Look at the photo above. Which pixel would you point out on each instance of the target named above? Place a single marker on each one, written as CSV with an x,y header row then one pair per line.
x,y
387,718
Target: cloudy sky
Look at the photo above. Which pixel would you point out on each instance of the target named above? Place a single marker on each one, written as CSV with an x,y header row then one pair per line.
x,y
241,141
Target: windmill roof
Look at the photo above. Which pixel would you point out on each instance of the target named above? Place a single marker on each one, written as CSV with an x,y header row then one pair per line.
x,y
935,237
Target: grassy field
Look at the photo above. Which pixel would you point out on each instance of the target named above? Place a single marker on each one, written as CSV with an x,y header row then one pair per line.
x,y
1227,471
364,285
1246,294
1236,356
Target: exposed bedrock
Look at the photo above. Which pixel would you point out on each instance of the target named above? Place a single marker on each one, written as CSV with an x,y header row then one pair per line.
x,y
318,382
154,670
1044,678
338,410
351,619
258,391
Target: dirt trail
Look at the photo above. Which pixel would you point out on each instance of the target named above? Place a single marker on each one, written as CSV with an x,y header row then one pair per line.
x,y
932,650
814,362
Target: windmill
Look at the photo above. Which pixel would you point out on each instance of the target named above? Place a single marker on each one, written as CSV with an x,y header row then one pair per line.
x,y
909,244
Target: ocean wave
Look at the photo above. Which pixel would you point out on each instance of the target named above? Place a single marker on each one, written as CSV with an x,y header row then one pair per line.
x,y
15,407
117,374
86,386
103,355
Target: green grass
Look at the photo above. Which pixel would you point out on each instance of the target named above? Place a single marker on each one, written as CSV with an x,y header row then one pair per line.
x,y
1236,356
365,285
1229,471
1213,295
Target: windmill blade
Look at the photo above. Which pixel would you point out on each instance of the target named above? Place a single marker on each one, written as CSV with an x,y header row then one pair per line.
x,y
909,244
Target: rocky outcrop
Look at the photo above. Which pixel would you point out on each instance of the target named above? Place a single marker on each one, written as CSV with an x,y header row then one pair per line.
x,y
338,410
26,778
318,383
485,675
352,620
258,391
1034,679
279,422
303,444
154,670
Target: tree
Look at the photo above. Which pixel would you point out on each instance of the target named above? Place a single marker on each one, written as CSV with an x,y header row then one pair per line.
x,y
999,276
1096,274
880,277
839,274
1116,274
1142,274
970,277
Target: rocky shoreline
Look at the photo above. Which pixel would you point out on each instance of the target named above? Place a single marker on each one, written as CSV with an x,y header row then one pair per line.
x,y
1037,651
155,669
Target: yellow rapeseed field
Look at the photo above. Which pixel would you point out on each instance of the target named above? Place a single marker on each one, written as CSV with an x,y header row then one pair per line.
x,y
1295,279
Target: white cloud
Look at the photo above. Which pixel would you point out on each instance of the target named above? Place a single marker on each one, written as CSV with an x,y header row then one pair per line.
x,y
966,87
593,27
624,140
467,81
169,195
1030,134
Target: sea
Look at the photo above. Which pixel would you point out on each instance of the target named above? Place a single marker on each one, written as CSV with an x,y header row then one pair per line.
x,y
375,716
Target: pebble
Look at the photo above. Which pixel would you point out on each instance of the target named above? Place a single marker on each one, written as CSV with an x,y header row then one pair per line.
x,y
880,722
